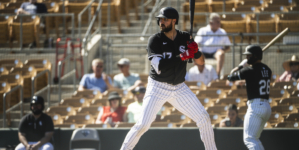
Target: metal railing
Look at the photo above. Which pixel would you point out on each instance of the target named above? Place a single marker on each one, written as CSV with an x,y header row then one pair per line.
x,y
158,4
73,72
13,107
48,87
88,7
40,15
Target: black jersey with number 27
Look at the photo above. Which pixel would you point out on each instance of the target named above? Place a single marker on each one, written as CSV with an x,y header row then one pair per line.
x,y
258,78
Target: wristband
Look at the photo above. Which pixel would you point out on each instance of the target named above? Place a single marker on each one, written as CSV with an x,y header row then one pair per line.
x,y
197,55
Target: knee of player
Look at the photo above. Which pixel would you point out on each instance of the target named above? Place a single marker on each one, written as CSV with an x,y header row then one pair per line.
x,y
142,127
47,146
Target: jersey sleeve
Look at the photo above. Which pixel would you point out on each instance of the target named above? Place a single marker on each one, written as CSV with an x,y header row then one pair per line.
x,y
50,125
153,48
245,73
22,124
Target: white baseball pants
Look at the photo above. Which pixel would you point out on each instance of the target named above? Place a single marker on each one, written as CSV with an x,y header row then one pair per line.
x,y
46,146
182,98
258,113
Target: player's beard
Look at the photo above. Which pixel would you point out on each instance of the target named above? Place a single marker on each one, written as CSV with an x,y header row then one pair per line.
x,y
166,28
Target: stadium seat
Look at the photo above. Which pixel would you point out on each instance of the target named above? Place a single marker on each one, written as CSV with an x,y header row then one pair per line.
x,y
287,125
235,23
87,139
233,100
8,11
79,119
275,118
295,93
4,87
175,118
67,125
206,102
3,71
292,117
63,111
40,65
30,29
242,93
163,124
88,94
124,125
284,109
190,124
220,110
27,73
76,8
215,118
13,80
272,8
290,86
279,93
245,8
211,93
290,101
143,77
242,111
74,102
57,119
290,21
280,3
217,5
268,125
9,63
100,125
50,20
273,101
119,91
255,3
14,5
200,7
102,101
219,84
4,32
92,110
267,23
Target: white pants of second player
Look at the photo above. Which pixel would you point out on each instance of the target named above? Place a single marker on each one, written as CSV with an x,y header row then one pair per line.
x,y
258,113
182,98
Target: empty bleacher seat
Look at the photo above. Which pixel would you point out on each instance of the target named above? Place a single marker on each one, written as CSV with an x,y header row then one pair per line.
x,y
206,102
290,21
93,110
124,125
217,6
63,111
242,93
289,101
3,71
13,80
295,93
275,118
233,100
175,118
292,117
79,119
285,109
40,65
211,93
27,73
74,102
200,7
101,101
9,63
88,94
30,29
279,93
219,84
287,125
4,26
220,110
4,87
57,119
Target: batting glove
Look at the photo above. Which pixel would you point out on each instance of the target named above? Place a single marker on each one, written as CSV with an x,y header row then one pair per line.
x,y
187,54
192,46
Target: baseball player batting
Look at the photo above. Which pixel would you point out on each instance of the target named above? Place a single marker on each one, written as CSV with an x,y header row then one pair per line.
x,y
257,77
166,80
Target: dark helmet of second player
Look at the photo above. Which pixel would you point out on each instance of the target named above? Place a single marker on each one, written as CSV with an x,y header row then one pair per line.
x,y
169,13
37,100
255,51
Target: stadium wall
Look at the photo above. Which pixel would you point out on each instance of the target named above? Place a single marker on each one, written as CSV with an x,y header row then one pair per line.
x,y
172,139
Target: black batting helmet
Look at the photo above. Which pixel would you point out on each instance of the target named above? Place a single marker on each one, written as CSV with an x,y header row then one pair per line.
x,y
169,13
255,51
37,100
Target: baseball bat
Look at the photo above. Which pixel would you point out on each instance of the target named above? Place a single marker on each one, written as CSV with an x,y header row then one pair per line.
x,y
272,42
191,15
276,38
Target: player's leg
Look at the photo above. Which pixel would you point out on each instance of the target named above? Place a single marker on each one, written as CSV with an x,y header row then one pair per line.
x,y
254,123
47,146
186,102
219,56
265,118
20,147
153,101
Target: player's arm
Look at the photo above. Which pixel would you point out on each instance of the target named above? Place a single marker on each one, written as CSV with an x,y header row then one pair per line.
x,y
239,75
45,139
154,53
23,140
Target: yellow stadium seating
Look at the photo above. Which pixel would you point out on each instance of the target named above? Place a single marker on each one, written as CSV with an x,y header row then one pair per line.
x,y
63,111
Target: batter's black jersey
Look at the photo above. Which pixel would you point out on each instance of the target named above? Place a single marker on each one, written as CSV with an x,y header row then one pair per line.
x,y
173,69
257,79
